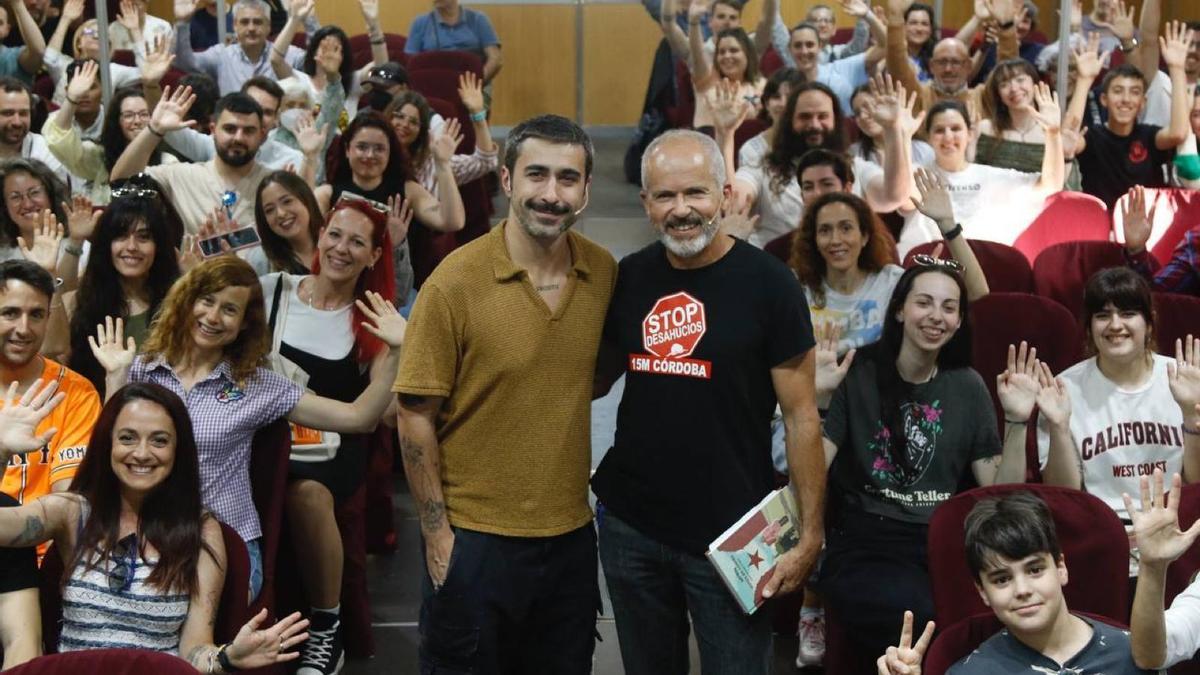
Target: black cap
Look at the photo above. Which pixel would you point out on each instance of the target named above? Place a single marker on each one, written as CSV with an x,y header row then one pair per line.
x,y
386,75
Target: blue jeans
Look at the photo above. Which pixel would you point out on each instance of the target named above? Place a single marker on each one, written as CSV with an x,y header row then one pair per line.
x,y
654,587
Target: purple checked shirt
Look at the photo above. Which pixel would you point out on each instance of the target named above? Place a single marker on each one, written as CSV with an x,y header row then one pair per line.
x,y
224,420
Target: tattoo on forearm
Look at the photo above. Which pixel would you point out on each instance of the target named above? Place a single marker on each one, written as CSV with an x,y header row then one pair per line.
x,y
32,533
432,514
411,451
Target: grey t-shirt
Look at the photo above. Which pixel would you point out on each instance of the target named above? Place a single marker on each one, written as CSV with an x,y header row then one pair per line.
x,y
948,422
1107,653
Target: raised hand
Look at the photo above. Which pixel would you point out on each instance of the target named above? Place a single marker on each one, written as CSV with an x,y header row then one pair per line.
x,y
1184,374
84,80
1122,24
935,198
1175,43
896,8
255,648
1072,137
1136,221
1017,387
171,112
1156,523
736,219
383,321
310,140
113,351
470,90
855,8
47,236
400,215
1047,113
184,9
129,16
729,109
830,373
188,254
19,419
983,10
892,106
157,60
215,225
1088,61
447,141
1052,399
370,10
1004,11
82,217
905,658
301,9
697,11
72,11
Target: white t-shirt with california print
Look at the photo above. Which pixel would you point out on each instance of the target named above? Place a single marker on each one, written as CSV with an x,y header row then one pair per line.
x,y
990,203
859,314
1121,435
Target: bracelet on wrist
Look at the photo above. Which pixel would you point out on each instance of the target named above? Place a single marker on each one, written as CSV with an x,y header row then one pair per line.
x,y
953,234
278,52
1016,422
152,130
479,116
70,100
223,660
378,41
75,250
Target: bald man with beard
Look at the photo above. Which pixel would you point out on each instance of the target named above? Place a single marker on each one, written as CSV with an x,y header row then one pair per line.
x,y
951,62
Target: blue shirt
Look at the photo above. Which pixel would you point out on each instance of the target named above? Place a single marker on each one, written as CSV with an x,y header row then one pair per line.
x,y
472,33
10,66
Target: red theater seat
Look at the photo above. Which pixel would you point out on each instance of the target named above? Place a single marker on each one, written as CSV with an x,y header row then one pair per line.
x,y
1062,270
1065,216
1005,267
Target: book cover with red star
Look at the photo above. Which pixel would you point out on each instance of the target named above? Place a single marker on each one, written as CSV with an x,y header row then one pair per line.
x,y
745,554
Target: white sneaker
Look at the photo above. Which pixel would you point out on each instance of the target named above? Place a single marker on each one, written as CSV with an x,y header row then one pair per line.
x,y
812,641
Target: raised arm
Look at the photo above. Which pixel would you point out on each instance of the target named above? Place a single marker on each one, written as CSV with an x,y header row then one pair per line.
x,y
702,71
1175,45
30,58
981,13
896,46
168,116
936,205
370,12
794,387
892,107
444,212
1183,376
300,10
1087,68
185,58
1005,13
114,352
71,11
1063,464
1017,387
676,39
1146,55
362,414
1048,115
729,110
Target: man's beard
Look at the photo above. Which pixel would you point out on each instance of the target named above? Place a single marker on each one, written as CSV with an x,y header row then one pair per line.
x,y
525,215
14,135
691,247
232,159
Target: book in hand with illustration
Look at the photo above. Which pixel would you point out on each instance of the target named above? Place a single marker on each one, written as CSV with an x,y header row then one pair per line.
x,y
745,554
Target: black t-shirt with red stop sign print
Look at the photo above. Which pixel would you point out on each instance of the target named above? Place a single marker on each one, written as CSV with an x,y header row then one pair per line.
x,y
693,444
1112,164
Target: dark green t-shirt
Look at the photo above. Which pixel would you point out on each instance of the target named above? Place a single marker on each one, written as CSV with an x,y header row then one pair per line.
x,y
949,422
1107,653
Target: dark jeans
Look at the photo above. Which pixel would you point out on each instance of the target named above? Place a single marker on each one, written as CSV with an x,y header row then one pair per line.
x,y
874,569
512,605
655,587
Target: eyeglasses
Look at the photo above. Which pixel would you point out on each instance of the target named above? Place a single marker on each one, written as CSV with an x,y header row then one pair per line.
x,y
370,148
33,195
947,63
125,555
926,260
135,116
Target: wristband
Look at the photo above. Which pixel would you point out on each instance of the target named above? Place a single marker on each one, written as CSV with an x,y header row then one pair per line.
x,y
952,234
73,250
479,116
1008,24
151,130
70,100
1189,432
223,660
380,41
282,55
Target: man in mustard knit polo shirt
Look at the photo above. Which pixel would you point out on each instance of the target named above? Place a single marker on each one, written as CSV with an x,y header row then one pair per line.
x,y
495,389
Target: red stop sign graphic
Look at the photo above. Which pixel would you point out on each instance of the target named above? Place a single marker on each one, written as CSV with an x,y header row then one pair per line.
x,y
674,326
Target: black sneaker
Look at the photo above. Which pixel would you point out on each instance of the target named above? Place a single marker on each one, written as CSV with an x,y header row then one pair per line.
x,y
321,653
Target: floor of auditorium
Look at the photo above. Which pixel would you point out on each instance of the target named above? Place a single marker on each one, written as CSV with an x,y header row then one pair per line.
x,y
614,218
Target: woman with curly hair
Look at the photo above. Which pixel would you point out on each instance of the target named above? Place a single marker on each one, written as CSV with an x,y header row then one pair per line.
x,y
208,346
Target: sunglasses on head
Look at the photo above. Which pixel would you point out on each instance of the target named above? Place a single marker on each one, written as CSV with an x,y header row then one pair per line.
x,y
926,260
348,198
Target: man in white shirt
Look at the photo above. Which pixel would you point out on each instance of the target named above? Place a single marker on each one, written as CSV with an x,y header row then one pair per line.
x,y
231,65
16,140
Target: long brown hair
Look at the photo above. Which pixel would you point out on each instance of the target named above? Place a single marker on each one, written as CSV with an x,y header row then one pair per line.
x,y
171,335
278,251
994,107
171,518
807,262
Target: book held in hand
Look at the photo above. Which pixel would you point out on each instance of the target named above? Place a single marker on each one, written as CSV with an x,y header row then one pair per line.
x,y
745,554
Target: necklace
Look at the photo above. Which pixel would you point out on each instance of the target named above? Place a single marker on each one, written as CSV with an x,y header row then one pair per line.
x,y
325,307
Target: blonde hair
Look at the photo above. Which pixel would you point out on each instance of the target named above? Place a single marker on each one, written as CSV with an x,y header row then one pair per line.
x,y
171,336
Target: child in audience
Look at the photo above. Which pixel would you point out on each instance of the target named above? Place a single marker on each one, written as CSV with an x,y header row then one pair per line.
x,y
206,345
1019,569
144,562
907,420
1118,414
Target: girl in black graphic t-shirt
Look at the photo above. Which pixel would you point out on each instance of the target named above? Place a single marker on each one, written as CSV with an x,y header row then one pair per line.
x,y
905,424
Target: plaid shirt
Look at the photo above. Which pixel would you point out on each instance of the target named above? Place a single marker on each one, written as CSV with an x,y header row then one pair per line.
x,y
224,420
1181,274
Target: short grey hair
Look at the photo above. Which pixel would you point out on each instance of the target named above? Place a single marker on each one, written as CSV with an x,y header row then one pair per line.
x,y
716,161
257,5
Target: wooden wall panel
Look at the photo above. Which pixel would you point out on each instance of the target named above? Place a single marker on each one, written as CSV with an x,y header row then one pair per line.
x,y
619,43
